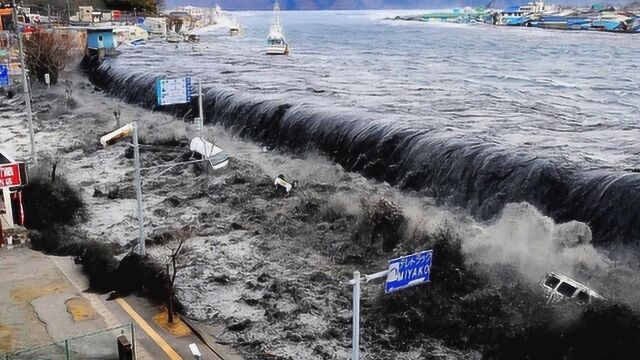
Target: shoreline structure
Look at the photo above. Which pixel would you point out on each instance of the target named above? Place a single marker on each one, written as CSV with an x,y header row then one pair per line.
x,y
537,14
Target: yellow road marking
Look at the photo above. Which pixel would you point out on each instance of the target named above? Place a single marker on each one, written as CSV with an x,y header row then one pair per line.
x,y
173,355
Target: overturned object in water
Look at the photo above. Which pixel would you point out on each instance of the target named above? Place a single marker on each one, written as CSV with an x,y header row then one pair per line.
x,y
282,184
218,158
560,288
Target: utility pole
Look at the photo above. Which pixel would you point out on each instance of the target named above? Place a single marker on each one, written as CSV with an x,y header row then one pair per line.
x,y
138,186
25,85
109,139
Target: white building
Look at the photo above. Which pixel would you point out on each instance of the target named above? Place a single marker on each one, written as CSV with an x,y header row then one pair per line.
x,y
195,12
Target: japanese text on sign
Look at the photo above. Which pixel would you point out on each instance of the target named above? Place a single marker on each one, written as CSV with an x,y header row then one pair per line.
x,y
408,271
10,175
173,91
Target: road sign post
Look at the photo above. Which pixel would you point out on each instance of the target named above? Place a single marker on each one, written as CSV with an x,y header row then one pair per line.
x,y
173,91
408,271
403,272
138,186
355,327
179,91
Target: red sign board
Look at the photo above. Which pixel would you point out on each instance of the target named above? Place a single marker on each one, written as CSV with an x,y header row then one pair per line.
x,y
10,175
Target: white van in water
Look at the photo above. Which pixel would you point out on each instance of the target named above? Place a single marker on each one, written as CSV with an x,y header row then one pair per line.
x,y
559,287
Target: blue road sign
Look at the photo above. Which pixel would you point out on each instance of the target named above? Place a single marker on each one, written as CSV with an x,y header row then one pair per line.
x,y
408,271
173,91
4,75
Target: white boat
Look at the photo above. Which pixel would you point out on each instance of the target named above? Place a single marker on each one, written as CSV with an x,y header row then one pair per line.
x,y
235,29
276,43
216,15
174,37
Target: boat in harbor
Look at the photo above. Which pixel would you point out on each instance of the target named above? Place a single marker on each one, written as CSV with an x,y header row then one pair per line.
x,y
235,29
173,37
276,42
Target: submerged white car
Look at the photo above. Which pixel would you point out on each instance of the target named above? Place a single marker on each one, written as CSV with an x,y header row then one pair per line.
x,y
558,288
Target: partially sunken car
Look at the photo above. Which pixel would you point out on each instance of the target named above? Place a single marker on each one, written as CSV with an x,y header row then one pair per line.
x,y
559,288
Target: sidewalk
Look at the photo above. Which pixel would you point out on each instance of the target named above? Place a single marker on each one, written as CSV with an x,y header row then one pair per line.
x,y
44,299
39,305
153,342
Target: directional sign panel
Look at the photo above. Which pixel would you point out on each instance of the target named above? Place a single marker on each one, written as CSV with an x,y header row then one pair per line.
x,y
4,75
10,175
173,91
408,271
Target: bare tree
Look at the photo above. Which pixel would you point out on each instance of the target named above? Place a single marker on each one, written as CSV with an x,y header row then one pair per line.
x,y
174,263
53,158
47,53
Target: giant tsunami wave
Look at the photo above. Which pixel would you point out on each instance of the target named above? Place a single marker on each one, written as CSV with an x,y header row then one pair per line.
x,y
481,177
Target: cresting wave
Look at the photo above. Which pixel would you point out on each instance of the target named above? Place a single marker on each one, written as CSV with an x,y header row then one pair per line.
x,y
481,177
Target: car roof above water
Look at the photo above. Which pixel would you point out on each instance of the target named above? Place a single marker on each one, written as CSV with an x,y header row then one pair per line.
x,y
576,284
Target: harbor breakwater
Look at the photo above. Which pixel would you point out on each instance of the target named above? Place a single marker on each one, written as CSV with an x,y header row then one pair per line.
x,y
481,177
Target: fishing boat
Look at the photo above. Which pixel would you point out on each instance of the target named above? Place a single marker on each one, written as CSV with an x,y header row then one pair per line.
x,y
174,37
235,29
276,43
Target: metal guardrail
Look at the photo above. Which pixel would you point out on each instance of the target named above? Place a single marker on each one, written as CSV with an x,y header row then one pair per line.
x,y
100,344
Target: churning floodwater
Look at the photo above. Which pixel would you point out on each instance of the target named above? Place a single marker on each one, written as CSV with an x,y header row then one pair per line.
x,y
474,115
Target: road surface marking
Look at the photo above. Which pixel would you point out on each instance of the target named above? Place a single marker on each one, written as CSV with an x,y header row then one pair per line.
x,y
173,355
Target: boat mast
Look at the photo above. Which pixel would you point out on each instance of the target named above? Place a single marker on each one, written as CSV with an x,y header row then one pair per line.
x,y
276,25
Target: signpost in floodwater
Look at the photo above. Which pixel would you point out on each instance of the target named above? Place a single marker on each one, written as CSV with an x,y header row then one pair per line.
x,y
403,272
408,271
179,91
173,91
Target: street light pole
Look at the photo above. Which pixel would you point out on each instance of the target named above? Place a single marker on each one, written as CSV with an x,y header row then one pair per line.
x,y
25,85
138,186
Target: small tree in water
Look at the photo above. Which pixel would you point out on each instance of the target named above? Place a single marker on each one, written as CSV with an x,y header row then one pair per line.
x,y
47,53
173,265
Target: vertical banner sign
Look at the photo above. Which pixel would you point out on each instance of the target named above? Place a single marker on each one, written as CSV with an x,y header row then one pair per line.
x,y
173,91
10,175
408,271
4,75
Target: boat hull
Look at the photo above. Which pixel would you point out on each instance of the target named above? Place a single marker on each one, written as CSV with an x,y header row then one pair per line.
x,y
277,50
